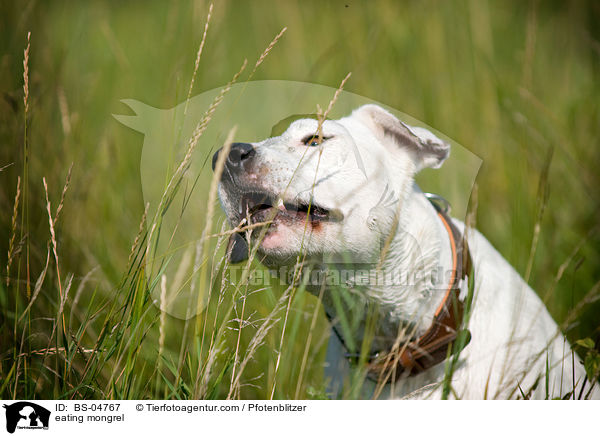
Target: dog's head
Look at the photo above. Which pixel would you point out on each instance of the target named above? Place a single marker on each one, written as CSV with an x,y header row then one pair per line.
x,y
328,192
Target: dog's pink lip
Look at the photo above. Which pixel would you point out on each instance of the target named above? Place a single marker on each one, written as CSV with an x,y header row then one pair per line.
x,y
282,227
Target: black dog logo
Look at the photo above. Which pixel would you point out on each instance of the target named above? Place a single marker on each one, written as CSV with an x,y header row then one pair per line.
x,y
26,415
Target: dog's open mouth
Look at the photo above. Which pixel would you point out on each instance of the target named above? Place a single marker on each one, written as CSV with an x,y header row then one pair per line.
x,y
264,207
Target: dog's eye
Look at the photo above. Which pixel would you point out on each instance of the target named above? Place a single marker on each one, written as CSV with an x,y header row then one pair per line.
x,y
314,140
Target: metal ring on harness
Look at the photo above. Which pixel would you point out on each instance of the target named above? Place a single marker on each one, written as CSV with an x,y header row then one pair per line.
x,y
443,204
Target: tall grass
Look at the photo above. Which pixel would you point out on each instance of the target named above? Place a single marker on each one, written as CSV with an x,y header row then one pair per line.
x,y
516,83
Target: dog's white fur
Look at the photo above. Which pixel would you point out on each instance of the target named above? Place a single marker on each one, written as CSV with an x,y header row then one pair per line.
x,y
364,171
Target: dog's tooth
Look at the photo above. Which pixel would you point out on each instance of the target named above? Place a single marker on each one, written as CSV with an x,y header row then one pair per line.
x,y
281,205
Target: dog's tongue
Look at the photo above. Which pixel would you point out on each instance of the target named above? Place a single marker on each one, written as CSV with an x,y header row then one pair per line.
x,y
237,248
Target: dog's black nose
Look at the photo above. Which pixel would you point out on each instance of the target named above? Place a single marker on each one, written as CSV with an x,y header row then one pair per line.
x,y
239,153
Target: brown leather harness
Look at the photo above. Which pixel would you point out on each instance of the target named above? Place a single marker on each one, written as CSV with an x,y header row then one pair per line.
x,y
432,347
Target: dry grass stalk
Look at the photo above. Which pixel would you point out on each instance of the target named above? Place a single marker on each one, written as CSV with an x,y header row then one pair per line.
x,y
60,316
267,50
139,234
294,284
198,131
214,346
162,323
214,184
54,350
212,198
257,340
74,303
198,55
322,116
63,300
471,218
62,195
201,127
26,75
240,229
563,266
542,201
336,96
52,232
13,227
283,330
38,286
24,212
217,263
213,353
52,222
391,359
311,329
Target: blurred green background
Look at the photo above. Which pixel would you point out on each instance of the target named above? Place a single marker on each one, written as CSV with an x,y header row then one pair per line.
x,y
516,83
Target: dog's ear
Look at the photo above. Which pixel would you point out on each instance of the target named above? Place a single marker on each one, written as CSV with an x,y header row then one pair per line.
x,y
237,248
427,149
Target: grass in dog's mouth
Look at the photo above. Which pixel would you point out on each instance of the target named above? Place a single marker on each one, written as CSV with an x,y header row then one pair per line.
x,y
261,207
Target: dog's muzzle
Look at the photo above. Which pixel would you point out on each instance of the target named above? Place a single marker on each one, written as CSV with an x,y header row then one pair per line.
x,y
240,157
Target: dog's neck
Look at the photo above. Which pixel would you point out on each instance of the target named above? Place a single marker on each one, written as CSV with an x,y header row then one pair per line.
x,y
415,271
421,250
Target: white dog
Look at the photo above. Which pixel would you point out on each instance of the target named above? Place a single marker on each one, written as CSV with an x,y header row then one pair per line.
x,y
341,197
